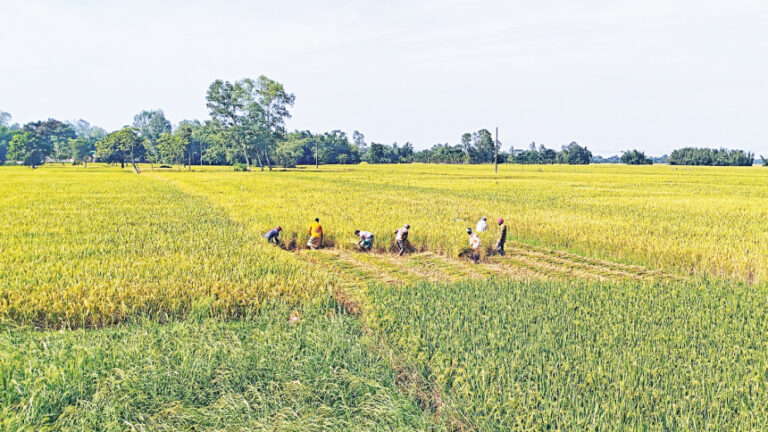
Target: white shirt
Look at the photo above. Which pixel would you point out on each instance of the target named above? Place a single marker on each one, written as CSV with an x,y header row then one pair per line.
x,y
481,225
365,235
474,241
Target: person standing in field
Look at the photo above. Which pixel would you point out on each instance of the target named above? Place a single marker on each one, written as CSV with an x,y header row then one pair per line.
x,y
316,235
401,238
273,235
474,246
502,238
365,240
481,224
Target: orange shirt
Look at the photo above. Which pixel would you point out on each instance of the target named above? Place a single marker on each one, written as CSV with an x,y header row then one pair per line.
x,y
315,230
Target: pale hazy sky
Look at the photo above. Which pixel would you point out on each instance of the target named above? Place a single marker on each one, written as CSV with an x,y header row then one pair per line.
x,y
612,75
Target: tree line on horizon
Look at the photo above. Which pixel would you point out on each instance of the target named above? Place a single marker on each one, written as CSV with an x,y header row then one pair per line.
x,y
247,128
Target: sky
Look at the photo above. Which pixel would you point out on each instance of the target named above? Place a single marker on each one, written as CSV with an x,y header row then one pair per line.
x,y
612,75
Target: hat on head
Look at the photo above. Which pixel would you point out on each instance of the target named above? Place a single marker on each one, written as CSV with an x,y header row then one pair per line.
x,y
501,221
279,228
469,230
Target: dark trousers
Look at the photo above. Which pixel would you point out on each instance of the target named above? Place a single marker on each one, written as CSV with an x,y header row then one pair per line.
x,y
401,246
474,256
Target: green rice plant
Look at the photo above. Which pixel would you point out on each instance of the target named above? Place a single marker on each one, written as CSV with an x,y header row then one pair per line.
x,y
268,373
587,356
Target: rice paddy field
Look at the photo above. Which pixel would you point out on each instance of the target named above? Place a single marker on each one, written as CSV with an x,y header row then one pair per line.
x,y
630,298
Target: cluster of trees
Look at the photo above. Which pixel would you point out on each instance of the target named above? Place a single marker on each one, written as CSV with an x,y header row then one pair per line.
x,y
298,148
305,148
635,157
247,127
7,131
37,141
711,157
572,154
247,122
473,148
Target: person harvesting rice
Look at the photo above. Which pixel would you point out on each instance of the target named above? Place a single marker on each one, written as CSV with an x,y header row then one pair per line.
x,y
474,246
273,235
401,238
481,224
316,235
502,238
365,242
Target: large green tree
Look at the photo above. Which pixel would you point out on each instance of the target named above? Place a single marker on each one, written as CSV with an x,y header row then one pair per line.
x,y
24,148
252,114
484,145
574,154
150,124
172,148
6,134
635,157
359,139
468,145
191,133
296,148
275,102
214,145
122,146
40,140
83,147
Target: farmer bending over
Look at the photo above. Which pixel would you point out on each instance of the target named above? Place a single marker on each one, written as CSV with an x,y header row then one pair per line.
x,y
315,235
474,246
273,235
365,242
401,238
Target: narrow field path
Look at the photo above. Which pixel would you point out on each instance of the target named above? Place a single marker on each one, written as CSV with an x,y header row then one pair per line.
x,y
520,263
605,267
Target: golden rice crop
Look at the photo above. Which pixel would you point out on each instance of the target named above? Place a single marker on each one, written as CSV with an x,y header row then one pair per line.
x,y
94,247
691,220
99,245
91,247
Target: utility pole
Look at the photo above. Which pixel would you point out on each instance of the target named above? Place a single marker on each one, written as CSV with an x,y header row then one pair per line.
x,y
496,153
317,165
